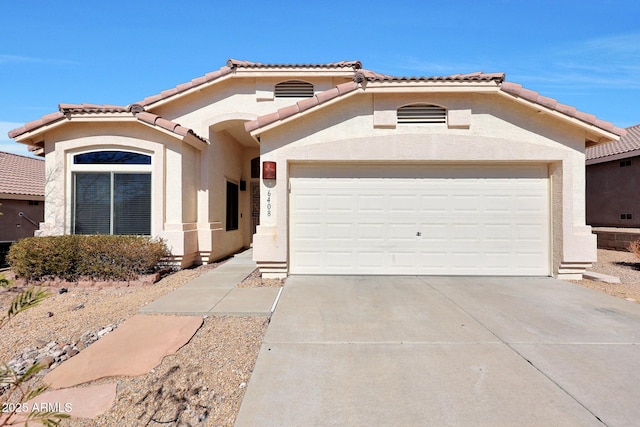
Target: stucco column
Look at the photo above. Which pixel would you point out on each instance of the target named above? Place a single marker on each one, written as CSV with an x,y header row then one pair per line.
x,y
270,240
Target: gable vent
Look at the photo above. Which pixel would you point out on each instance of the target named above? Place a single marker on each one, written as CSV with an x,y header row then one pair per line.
x,y
422,113
294,89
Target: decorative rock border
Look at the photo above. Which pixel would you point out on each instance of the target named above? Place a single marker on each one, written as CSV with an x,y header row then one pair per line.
x,y
53,354
144,280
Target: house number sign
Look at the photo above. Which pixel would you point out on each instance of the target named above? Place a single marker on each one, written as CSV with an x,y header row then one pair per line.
x,y
269,203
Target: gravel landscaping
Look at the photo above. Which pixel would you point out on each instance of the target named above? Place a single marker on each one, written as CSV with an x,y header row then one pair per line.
x,y
201,385
625,266
204,382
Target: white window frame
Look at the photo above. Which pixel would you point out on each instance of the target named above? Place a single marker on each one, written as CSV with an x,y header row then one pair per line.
x,y
104,168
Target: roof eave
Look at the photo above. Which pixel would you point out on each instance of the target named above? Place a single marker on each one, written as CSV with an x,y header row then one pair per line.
x,y
613,157
31,137
21,196
257,132
150,105
593,132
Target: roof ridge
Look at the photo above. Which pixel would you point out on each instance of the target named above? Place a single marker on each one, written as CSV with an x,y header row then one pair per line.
x,y
372,76
339,64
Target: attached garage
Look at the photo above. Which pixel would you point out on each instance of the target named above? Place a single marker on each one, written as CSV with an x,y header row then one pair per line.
x,y
421,219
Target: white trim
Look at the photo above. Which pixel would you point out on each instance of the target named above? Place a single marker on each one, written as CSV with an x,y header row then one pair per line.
x,y
72,168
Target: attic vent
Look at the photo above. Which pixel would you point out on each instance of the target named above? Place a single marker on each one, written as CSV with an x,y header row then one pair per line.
x,y
421,113
294,89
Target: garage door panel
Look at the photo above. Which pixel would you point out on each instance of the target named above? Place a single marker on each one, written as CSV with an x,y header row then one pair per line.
x,y
487,222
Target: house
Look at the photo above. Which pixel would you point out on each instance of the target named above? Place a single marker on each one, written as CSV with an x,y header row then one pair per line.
x,y
613,193
331,169
22,182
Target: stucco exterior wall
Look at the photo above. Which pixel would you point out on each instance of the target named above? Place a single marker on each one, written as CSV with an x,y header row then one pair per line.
x,y
173,205
612,192
13,226
234,99
499,131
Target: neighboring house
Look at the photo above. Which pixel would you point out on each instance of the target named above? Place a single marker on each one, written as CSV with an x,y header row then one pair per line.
x,y
21,198
613,182
331,169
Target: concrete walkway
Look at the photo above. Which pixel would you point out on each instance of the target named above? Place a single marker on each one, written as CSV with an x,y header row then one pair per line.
x,y
436,351
216,293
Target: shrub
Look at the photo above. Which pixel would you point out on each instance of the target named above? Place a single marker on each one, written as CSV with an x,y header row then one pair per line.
x,y
95,256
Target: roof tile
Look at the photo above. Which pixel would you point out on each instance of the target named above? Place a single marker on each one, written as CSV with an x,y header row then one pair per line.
x,y
628,143
532,96
21,175
289,111
356,65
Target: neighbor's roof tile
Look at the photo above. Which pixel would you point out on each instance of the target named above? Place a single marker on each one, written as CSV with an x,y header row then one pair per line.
x,y
629,143
21,175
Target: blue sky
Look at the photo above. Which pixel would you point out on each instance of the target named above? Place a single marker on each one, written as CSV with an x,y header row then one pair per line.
x,y
582,53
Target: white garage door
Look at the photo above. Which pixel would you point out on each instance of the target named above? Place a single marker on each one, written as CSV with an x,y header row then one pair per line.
x,y
454,220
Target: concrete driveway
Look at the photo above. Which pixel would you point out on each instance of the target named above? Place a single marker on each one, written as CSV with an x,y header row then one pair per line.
x,y
391,351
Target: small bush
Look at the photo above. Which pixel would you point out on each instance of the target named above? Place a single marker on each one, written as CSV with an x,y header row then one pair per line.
x,y
98,257
635,248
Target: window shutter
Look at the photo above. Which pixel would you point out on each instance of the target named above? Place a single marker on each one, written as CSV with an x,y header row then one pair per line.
x,y
294,89
421,114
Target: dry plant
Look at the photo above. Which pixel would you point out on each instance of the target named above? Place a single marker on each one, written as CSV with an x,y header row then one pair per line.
x,y
15,390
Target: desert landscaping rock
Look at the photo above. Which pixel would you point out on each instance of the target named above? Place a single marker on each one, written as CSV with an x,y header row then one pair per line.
x,y
53,353
139,344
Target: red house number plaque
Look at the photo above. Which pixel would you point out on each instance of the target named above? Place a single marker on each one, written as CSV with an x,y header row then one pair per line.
x,y
269,170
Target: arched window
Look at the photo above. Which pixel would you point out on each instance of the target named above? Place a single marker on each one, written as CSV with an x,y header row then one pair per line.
x,y
422,114
294,89
111,193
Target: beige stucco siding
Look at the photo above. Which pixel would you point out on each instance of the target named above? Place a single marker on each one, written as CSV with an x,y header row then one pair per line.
x,y
499,131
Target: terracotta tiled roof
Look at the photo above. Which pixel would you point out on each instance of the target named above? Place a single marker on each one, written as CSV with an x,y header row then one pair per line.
x,y
154,119
360,77
135,109
479,76
207,78
364,76
21,175
35,124
530,95
628,144
232,64
301,106
356,65
92,108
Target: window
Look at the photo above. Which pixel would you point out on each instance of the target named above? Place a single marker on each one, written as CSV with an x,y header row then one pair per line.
x,y
255,167
294,89
625,163
112,203
626,216
421,114
111,158
111,193
232,206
